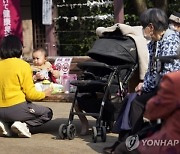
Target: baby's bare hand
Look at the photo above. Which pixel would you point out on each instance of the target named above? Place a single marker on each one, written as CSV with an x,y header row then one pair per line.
x,y
39,76
56,73
138,88
50,69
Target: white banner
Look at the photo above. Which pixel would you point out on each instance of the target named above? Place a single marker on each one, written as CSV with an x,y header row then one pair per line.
x,y
47,12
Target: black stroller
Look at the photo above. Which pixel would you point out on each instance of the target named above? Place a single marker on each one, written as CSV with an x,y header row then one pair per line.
x,y
115,60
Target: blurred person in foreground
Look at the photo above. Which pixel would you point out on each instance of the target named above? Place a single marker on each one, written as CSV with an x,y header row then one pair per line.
x,y
166,106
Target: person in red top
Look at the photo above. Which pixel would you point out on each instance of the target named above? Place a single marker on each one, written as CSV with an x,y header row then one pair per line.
x,y
166,106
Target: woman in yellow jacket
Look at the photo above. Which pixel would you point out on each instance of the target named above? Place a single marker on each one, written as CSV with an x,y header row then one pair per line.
x,y
17,113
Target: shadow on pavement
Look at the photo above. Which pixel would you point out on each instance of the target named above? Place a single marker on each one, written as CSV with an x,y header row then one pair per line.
x,y
52,128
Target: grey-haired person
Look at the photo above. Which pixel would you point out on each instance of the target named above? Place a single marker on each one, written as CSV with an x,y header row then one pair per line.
x,y
161,43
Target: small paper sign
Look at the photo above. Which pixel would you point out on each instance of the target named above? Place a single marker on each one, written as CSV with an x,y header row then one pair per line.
x,y
63,64
47,12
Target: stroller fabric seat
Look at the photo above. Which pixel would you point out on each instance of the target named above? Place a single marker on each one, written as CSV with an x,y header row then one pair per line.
x,y
97,68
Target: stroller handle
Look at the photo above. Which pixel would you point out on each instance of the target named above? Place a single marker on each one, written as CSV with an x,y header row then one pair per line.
x,y
167,59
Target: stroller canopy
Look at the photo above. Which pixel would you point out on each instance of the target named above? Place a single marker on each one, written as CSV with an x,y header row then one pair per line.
x,y
114,51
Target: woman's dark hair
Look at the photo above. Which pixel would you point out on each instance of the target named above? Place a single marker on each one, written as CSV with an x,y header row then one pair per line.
x,y
10,47
155,16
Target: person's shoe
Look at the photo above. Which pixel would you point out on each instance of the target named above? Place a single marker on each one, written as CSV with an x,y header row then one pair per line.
x,y
4,129
21,129
110,150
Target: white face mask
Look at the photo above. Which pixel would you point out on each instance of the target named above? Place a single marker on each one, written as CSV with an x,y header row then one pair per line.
x,y
147,37
171,26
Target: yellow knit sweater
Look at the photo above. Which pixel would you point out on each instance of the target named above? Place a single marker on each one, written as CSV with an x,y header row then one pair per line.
x,y
16,84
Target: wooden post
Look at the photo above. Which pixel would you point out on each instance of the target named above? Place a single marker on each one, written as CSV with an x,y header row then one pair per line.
x,y
50,44
118,11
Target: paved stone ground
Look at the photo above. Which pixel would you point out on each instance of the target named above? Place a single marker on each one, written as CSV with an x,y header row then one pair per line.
x,y
44,140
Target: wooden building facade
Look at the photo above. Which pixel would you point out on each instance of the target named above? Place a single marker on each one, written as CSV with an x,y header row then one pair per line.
x,y
35,34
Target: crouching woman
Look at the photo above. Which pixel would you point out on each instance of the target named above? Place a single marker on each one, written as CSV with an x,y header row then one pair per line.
x,y
17,113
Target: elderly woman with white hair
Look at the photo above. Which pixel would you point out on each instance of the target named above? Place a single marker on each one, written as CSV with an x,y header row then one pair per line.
x,y
165,46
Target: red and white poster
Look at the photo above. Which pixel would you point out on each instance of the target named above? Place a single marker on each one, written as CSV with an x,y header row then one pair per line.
x,y
63,65
10,18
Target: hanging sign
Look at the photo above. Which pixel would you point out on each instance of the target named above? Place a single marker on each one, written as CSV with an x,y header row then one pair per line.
x,y
10,20
47,12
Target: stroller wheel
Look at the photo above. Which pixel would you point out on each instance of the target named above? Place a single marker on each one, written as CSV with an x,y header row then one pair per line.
x,y
62,131
71,131
103,134
94,135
